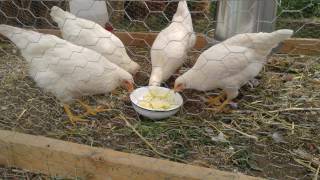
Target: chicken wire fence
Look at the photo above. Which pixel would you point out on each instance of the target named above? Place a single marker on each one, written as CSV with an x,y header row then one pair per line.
x,y
253,135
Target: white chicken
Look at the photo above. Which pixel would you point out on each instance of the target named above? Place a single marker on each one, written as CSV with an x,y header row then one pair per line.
x,y
66,70
91,35
170,48
90,9
231,64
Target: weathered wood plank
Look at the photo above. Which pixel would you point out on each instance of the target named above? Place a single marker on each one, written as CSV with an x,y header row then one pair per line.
x,y
292,46
137,38
301,46
65,159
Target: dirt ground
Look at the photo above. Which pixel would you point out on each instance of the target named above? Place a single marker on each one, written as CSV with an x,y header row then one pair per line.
x,y
261,135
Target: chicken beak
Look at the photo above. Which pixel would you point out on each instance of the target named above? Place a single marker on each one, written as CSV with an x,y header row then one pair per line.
x,y
129,86
178,88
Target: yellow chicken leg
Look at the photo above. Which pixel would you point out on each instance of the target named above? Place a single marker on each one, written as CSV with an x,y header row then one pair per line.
x,y
215,101
90,110
72,117
115,92
221,107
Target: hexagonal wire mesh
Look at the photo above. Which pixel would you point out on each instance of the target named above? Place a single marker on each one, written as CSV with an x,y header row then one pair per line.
x,y
252,135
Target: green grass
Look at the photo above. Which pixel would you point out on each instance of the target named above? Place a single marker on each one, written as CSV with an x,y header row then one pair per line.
x,y
309,8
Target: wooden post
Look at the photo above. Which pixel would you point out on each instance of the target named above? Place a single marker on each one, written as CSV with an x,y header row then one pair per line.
x,y
70,160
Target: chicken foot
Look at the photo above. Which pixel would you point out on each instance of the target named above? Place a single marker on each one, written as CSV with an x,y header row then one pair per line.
x,y
223,105
215,101
72,117
229,93
90,110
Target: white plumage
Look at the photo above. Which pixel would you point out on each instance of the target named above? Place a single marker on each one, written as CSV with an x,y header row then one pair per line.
x,y
232,63
91,35
90,9
66,70
170,48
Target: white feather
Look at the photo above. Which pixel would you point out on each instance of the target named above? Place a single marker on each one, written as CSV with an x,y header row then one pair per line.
x,y
90,9
170,48
66,70
232,63
91,35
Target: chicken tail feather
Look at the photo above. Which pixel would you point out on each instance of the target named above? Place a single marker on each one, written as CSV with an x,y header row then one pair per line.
x,y
282,34
9,31
59,16
20,37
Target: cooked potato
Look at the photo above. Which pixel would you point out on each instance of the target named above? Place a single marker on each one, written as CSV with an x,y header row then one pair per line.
x,y
158,100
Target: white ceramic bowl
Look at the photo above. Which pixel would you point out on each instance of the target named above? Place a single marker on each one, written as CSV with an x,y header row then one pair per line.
x,y
138,95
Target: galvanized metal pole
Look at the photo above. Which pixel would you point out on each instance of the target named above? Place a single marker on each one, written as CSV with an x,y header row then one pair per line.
x,y
244,16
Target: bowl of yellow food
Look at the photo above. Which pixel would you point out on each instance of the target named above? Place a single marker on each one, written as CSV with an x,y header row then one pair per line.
x,y
156,102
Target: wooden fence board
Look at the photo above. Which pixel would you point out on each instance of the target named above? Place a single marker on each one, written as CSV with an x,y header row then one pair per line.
x,y
70,160
293,46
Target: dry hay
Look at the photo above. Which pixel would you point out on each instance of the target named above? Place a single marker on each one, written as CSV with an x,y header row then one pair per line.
x,y
14,173
264,135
